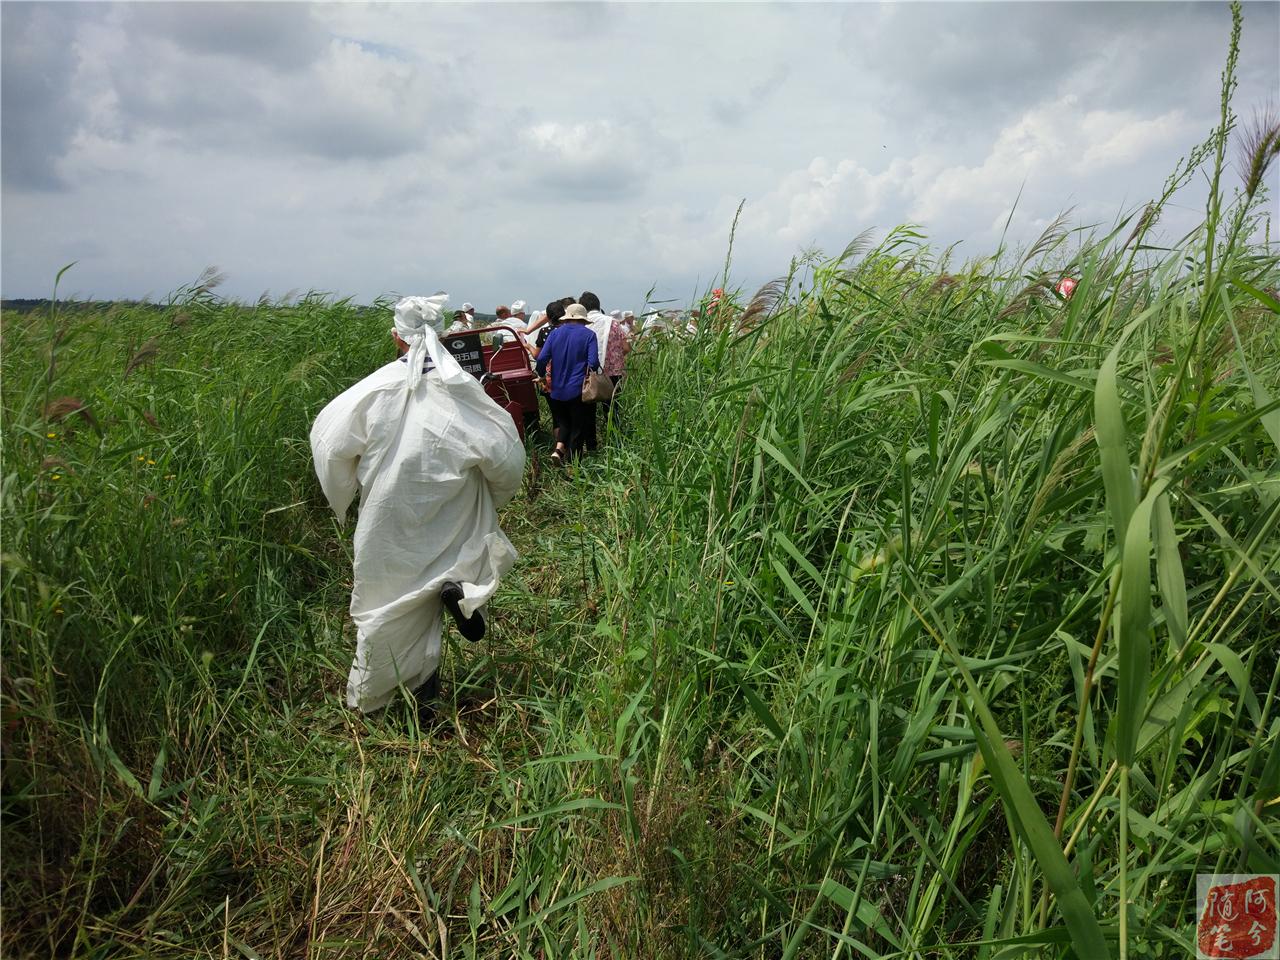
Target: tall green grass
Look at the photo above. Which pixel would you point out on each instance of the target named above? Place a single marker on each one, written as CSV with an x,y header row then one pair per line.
x,y
914,612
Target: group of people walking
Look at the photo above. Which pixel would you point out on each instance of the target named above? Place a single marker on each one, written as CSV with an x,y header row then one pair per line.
x,y
569,340
433,459
580,340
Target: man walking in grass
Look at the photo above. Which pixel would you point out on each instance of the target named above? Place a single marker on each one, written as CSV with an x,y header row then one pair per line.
x,y
433,458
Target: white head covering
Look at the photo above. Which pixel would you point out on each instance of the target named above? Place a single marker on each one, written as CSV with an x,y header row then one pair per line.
x,y
616,314
628,315
517,306
467,308
419,321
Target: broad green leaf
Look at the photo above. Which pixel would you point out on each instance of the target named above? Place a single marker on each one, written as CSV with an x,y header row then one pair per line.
x,y
1028,820
868,914
1264,298
785,542
1109,428
1134,666
1073,380
762,712
793,588
1173,582
787,463
157,772
126,776
608,883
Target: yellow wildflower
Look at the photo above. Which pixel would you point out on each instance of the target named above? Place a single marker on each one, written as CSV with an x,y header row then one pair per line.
x,y
56,476
52,436
151,463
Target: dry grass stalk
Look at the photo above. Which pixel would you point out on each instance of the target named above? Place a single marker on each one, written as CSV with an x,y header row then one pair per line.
x,y
1059,474
854,368
1259,143
1149,214
1031,293
944,282
855,248
764,302
144,354
1053,235
210,278
61,408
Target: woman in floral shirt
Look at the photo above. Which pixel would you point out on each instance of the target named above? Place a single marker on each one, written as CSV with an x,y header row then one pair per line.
x,y
614,343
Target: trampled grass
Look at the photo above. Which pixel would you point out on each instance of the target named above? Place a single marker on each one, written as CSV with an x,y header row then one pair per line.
x,y
916,611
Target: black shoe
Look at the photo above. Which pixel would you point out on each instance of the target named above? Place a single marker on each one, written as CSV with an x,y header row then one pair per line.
x,y
470,627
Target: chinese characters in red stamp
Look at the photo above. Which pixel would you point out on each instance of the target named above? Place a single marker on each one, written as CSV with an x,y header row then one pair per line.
x,y
1236,917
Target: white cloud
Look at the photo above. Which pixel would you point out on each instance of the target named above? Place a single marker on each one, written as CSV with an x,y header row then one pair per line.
x,y
1053,148
596,160
539,148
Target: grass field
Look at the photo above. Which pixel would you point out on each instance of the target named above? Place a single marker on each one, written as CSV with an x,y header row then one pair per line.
x,y
916,611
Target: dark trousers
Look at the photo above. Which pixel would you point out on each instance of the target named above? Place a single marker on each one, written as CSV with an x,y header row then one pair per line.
x,y
551,410
572,419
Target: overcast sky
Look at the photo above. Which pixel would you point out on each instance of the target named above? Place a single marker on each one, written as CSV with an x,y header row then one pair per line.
x,y
503,151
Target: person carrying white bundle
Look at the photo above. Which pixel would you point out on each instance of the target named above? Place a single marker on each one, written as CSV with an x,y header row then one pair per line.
x,y
433,458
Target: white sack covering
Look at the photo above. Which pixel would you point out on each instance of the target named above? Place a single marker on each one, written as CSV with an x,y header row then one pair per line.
x,y
433,463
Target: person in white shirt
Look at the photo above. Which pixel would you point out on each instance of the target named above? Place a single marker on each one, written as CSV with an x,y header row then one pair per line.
x,y
653,323
433,458
614,343
514,317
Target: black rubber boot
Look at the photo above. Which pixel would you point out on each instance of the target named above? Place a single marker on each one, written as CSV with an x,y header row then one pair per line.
x,y
470,627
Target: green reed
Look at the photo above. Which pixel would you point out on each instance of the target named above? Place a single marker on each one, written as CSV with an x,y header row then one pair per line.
x,y
915,611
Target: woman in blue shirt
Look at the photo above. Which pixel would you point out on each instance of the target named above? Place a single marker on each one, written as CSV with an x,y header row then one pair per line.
x,y
571,350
